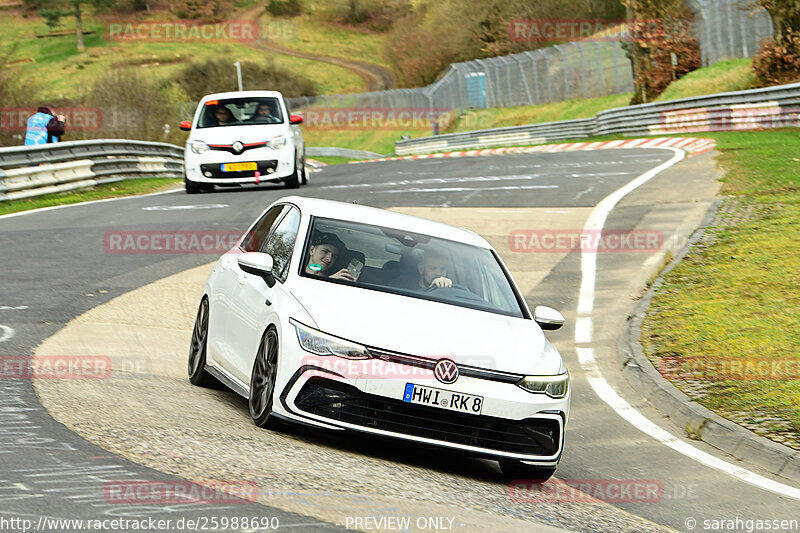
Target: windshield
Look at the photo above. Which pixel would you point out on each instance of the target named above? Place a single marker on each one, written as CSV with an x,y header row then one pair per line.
x,y
240,112
409,264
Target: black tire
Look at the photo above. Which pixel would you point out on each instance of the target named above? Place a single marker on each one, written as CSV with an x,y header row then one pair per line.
x,y
262,380
513,469
293,180
197,349
192,187
303,172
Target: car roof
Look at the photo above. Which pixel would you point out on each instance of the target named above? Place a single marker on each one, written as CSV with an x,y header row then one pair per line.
x,y
241,94
382,217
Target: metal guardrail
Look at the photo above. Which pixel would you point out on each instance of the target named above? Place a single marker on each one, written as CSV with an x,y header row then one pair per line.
x,y
769,107
27,171
520,135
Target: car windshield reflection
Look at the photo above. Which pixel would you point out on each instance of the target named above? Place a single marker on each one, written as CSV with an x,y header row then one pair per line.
x,y
241,112
408,264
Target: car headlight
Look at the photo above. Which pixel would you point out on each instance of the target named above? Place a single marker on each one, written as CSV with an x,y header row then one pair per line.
x,y
198,147
553,386
319,343
277,142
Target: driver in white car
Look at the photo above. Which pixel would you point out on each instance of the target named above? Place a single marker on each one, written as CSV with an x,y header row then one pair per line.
x,y
431,272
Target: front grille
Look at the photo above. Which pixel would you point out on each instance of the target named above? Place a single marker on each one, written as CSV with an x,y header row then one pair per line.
x,y
214,170
339,401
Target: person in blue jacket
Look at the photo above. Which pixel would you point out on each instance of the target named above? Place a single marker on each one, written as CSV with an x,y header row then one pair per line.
x,y
44,127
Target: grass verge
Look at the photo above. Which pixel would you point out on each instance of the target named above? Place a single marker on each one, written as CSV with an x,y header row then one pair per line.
x,y
331,160
109,190
725,76
480,119
725,320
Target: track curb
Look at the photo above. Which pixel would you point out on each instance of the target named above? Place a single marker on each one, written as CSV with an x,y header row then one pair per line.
x,y
697,420
693,146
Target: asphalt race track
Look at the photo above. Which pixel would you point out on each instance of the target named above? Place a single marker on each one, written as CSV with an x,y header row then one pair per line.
x,y
62,442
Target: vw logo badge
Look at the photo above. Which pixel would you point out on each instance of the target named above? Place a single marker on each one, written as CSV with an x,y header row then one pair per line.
x,y
237,147
446,371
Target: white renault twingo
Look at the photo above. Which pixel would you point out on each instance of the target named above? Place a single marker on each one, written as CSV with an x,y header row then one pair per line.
x,y
244,137
348,317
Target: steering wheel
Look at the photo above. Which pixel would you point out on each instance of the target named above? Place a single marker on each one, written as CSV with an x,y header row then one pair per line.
x,y
465,293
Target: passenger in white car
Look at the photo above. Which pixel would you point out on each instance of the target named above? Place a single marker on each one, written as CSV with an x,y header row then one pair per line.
x,y
324,251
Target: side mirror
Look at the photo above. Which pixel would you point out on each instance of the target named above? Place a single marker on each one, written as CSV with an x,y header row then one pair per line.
x,y
258,264
548,318
186,125
295,119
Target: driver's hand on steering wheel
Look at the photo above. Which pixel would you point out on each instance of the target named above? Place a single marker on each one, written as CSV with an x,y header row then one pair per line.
x,y
441,282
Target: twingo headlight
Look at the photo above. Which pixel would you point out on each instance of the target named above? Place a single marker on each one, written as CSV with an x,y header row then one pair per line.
x,y
198,147
319,343
554,386
277,142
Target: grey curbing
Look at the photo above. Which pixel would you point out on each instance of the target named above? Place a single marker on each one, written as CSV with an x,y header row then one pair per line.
x,y
697,420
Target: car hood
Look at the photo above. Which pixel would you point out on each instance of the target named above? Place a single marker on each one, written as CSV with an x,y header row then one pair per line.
x,y
430,329
245,134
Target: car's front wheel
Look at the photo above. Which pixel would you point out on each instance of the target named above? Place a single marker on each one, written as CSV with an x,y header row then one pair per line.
x,y
514,469
197,349
262,380
195,188
303,172
293,180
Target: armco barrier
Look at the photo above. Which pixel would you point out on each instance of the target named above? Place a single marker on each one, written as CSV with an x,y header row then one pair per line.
x,y
27,171
770,107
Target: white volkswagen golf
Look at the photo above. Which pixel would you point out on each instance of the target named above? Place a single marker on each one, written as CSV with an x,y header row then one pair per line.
x,y
243,137
348,317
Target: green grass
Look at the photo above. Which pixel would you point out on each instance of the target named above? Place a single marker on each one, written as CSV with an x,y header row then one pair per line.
x,y
516,116
310,33
110,190
69,73
378,141
725,76
735,298
331,160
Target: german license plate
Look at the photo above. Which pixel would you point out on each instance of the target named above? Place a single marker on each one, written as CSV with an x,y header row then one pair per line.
x,y
443,399
238,167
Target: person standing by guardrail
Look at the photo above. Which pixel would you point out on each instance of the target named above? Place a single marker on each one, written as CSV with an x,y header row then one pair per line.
x,y
44,127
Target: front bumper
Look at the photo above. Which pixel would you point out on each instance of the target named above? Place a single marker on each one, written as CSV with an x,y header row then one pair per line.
x,y
514,424
207,167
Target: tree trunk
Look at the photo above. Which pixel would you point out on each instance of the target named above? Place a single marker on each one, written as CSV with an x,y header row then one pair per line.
x,y
637,63
79,26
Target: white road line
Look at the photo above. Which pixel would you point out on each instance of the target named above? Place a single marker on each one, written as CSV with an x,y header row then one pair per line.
x,y
463,189
12,307
6,332
51,208
586,357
